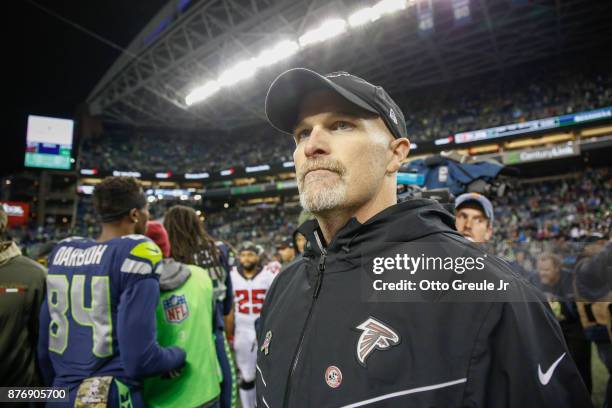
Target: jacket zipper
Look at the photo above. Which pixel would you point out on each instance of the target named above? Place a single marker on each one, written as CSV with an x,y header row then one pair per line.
x,y
315,295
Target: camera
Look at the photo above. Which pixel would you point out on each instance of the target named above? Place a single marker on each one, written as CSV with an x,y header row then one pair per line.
x,y
445,176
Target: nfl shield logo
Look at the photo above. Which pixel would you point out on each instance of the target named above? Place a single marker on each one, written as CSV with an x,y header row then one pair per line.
x,y
175,309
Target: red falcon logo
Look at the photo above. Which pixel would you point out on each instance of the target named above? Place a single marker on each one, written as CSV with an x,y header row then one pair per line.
x,y
376,335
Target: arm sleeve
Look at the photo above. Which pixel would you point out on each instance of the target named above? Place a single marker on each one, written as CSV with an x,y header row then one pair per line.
x,y
229,295
36,300
44,362
229,292
520,360
136,332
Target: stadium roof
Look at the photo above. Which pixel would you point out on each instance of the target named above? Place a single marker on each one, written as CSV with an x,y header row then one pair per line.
x,y
191,42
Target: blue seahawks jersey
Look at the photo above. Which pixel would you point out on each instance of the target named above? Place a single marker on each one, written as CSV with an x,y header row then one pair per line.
x,y
99,315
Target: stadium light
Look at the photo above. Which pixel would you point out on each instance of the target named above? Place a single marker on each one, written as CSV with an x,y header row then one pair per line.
x,y
238,72
202,92
243,70
362,17
284,49
370,14
329,29
390,6
280,51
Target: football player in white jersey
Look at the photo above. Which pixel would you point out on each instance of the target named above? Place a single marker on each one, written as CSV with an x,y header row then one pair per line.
x,y
250,283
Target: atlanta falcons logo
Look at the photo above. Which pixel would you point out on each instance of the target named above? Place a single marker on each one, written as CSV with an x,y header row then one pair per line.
x,y
376,335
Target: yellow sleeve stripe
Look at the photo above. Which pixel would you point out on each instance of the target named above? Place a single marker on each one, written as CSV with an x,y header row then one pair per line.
x,y
147,250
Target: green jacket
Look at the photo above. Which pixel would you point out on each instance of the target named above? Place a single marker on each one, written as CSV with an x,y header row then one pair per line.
x,y
22,289
185,319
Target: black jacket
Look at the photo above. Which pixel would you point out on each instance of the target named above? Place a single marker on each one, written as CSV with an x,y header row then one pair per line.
x,y
594,275
563,294
432,354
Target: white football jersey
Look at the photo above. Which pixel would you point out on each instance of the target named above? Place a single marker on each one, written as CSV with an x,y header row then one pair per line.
x,y
249,296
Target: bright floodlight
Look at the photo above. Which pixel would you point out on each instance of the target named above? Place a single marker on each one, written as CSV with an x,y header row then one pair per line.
x,y
362,17
280,51
327,30
389,6
202,92
238,72
373,13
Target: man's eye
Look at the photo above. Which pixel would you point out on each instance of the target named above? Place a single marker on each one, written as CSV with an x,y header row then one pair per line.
x,y
342,125
302,134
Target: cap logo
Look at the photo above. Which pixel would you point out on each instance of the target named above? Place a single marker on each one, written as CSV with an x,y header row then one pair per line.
x,y
392,116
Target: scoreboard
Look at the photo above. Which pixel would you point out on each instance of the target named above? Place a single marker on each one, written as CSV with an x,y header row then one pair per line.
x,y
49,142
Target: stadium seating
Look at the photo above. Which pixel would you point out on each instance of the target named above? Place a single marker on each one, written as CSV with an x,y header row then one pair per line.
x,y
445,110
532,216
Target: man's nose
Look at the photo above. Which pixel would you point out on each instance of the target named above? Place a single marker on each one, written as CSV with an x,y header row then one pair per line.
x,y
316,144
468,223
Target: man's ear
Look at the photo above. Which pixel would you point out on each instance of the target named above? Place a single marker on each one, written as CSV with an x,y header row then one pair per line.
x,y
489,232
133,214
399,150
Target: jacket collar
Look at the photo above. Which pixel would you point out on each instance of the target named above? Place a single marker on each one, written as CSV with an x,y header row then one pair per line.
x,y
406,221
8,251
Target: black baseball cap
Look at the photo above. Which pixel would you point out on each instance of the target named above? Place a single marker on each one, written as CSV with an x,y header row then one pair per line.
x,y
249,246
285,243
289,89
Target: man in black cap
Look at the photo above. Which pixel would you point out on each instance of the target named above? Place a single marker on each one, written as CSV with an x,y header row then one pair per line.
x,y
593,272
321,342
286,250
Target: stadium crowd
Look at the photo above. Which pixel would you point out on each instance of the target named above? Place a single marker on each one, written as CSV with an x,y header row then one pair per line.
x,y
533,215
181,153
529,94
263,224
565,208
535,94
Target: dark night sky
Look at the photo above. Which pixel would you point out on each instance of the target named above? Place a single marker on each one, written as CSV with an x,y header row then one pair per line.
x,y
55,64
